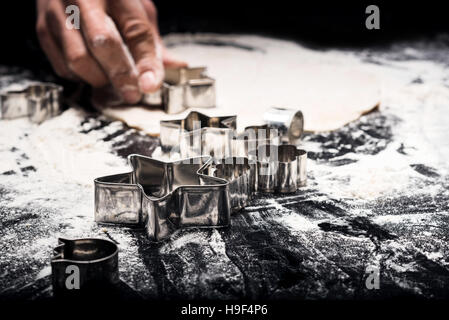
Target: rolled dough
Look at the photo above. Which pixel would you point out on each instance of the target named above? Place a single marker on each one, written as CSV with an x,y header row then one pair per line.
x,y
255,73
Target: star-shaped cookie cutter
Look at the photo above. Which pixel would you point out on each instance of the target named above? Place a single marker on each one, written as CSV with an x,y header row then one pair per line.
x,y
38,101
199,134
166,196
184,88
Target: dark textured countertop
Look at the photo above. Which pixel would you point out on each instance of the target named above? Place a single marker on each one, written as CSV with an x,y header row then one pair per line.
x,y
377,199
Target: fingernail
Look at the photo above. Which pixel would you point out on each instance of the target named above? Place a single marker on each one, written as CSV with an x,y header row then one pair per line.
x,y
147,82
130,94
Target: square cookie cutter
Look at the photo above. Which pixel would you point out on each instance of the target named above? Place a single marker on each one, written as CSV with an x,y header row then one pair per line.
x,y
184,88
38,101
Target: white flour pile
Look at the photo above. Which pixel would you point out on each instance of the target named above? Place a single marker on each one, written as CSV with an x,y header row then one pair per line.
x,y
255,73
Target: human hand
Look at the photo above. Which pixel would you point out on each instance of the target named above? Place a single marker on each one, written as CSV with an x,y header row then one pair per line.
x,y
118,43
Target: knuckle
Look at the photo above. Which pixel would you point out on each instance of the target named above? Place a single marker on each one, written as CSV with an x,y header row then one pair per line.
x,y
103,39
77,60
136,31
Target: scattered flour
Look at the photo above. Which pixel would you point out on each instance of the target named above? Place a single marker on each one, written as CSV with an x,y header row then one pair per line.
x,y
54,163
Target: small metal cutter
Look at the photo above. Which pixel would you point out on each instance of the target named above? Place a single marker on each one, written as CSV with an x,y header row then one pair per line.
x,y
199,134
289,122
240,173
252,137
93,261
39,101
165,196
184,88
281,168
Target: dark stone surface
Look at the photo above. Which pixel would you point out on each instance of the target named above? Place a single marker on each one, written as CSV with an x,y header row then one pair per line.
x,y
308,245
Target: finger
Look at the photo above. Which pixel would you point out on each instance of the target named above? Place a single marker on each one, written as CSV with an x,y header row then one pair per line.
x,y
141,39
150,10
171,61
48,43
77,56
105,43
168,59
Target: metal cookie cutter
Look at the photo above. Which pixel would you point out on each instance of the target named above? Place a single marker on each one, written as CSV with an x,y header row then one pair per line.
x,y
289,122
247,143
38,101
95,261
184,88
199,134
240,173
281,168
165,196
252,137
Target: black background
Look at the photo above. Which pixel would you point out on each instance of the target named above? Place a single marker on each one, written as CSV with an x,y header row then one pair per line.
x,y
327,22
331,23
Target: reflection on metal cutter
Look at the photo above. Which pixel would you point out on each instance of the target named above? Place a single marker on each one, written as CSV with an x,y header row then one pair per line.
x,y
195,192
289,122
96,260
184,88
39,101
199,134
166,196
280,168
240,172
247,142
